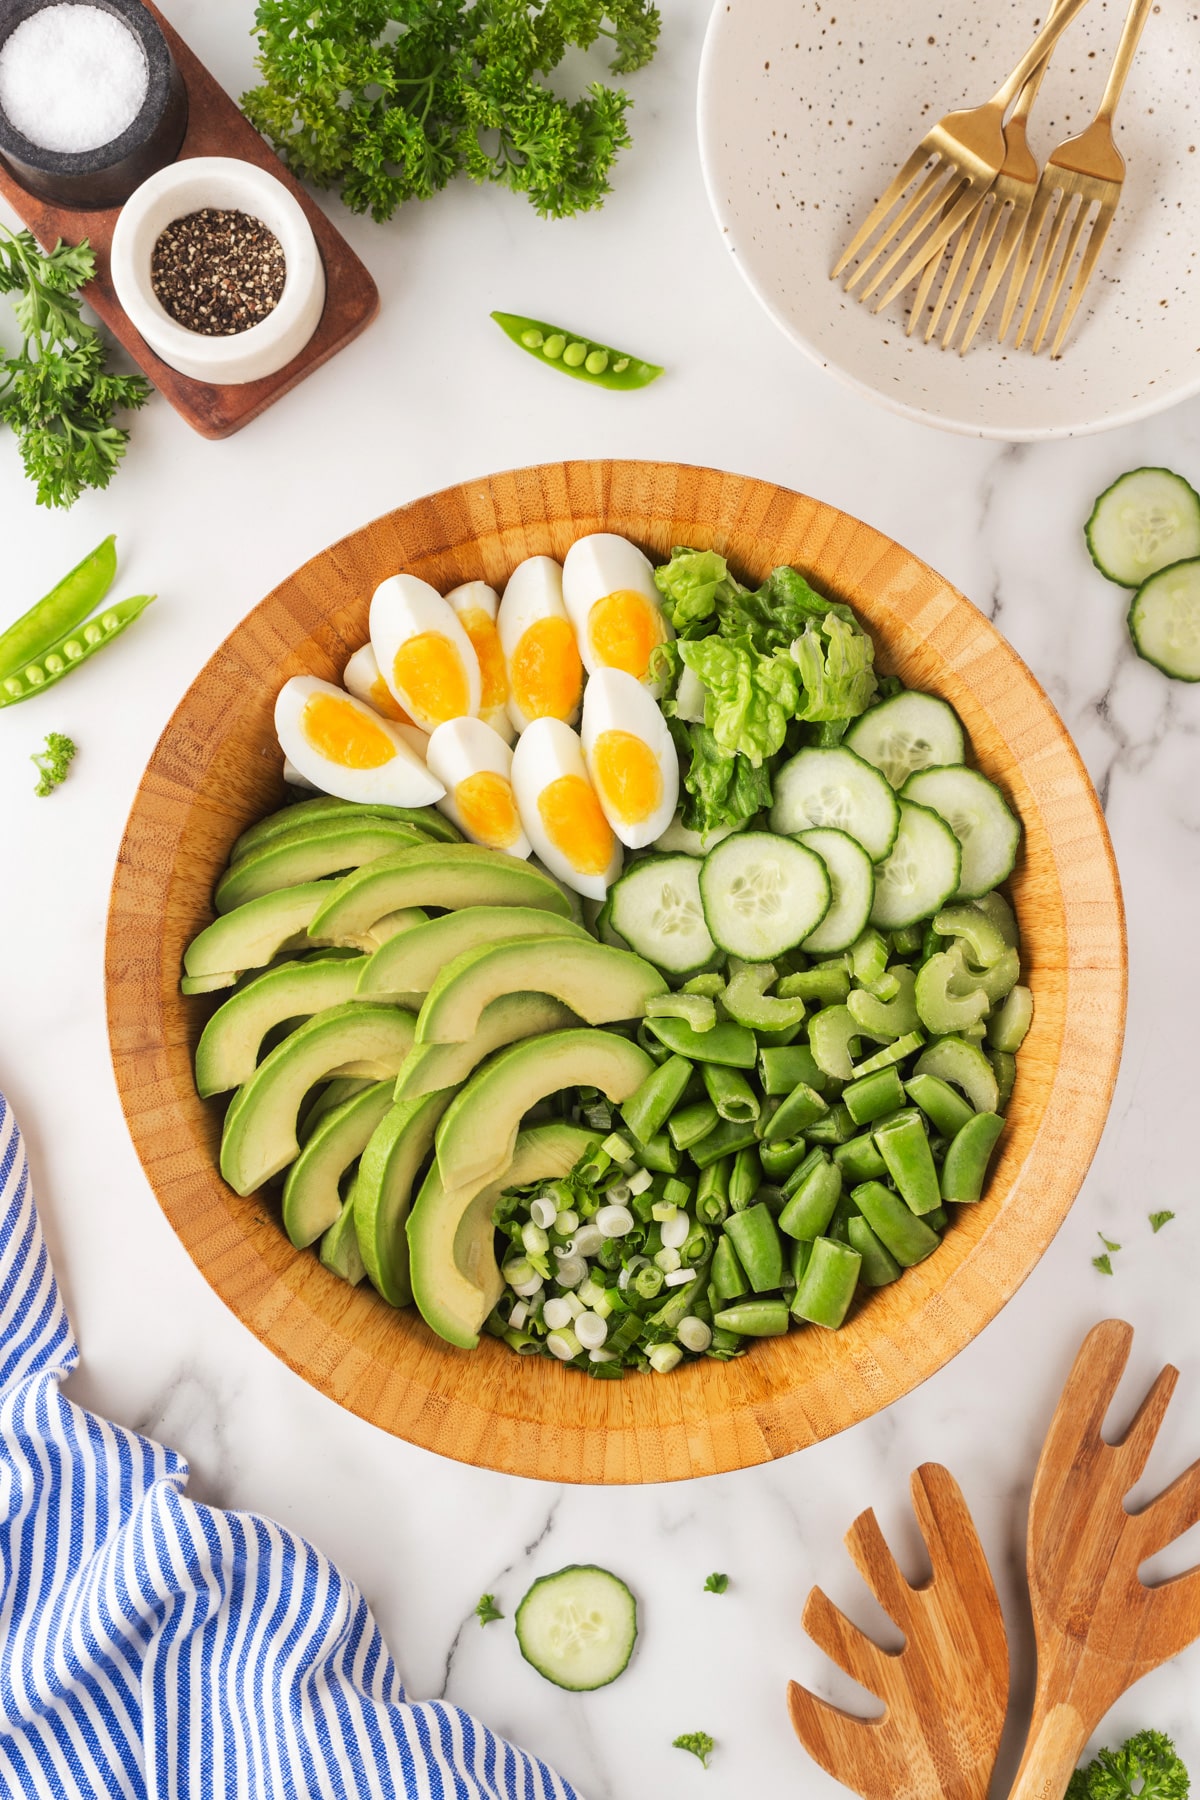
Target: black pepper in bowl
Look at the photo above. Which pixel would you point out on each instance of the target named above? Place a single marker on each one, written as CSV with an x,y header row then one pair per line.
x,y
218,272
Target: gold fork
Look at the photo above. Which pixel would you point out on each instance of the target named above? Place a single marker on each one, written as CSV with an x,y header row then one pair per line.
x,y
967,151
1088,168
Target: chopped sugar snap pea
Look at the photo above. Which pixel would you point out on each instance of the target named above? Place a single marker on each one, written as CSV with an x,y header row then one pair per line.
x,y
581,357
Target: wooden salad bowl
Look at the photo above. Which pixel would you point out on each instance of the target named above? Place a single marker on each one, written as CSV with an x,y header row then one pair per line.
x,y
217,768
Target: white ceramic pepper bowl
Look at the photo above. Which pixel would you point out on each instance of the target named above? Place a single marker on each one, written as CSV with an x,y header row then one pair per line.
x,y
223,183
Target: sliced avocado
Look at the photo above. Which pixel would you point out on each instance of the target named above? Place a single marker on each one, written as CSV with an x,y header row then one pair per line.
x,y
338,1249
326,847
231,1042
208,984
312,1193
411,967
260,1127
296,818
251,936
449,875
455,1277
599,983
475,1139
320,1101
383,1189
428,1067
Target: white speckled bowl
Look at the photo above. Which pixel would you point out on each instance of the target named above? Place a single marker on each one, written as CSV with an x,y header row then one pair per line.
x,y
808,106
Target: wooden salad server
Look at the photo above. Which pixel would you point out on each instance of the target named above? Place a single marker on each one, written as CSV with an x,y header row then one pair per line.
x,y
945,1692
1099,1628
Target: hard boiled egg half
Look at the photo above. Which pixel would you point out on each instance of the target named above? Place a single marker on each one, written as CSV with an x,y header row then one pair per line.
x,y
629,756
362,678
559,810
545,675
343,747
474,765
611,600
424,655
475,606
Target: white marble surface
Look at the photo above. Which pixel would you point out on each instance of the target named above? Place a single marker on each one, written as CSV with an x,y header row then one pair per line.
x,y
432,394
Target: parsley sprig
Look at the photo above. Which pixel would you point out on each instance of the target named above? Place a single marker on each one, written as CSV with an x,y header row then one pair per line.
x,y
391,99
55,391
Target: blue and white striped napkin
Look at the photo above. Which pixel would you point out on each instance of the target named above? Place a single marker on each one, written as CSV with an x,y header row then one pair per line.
x,y
150,1647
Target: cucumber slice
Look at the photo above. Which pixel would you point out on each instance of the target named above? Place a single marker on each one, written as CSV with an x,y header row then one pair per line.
x,y
853,882
679,839
976,812
906,733
1145,521
578,1627
655,908
835,788
921,873
762,894
1164,620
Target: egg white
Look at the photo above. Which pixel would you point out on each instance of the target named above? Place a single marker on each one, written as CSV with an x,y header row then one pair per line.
x,y
600,565
459,750
616,702
547,751
401,780
403,608
534,593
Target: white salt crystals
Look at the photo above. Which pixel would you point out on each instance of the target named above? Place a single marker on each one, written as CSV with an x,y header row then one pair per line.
x,y
72,78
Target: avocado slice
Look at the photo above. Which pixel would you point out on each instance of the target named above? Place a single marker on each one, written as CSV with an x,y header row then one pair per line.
x,y
598,983
312,1197
260,1127
428,1067
448,875
300,816
325,847
383,1189
456,1280
320,1101
251,935
231,1042
475,1139
411,967
338,1249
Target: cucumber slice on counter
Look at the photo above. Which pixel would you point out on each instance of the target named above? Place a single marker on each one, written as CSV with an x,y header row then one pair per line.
x,y
578,1627
853,882
838,789
976,813
921,873
1164,620
656,910
762,894
906,733
1145,521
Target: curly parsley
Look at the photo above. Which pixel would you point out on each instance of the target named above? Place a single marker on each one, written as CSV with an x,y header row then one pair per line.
x,y
53,762
1146,1765
716,1584
487,1610
391,99
698,1742
55,392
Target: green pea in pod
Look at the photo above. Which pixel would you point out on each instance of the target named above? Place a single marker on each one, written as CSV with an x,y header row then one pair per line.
x,y
586,360
60,611
43,671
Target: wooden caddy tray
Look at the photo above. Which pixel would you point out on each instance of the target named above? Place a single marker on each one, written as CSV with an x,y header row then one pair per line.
x,y
215,128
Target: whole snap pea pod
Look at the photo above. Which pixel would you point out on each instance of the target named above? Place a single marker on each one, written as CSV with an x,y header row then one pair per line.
x,y
58,613
71,650
583,358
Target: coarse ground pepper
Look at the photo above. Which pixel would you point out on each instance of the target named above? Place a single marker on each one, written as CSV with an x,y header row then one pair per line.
x,y
218,272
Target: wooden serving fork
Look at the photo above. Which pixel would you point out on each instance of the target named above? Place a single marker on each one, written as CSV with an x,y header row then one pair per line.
x,y
1099,1628
945,1692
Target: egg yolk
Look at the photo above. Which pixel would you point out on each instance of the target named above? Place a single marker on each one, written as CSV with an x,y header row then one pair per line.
x,y
546,673
575,824
487,808
385,702
341,734
623,629
486,644
626,771
429,670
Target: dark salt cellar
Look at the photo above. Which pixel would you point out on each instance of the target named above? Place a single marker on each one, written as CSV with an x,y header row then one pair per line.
x,y
218,272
